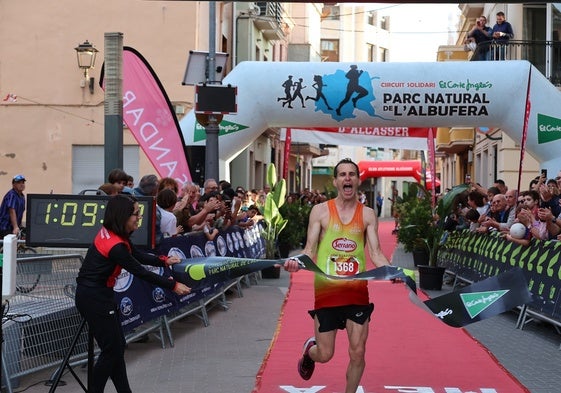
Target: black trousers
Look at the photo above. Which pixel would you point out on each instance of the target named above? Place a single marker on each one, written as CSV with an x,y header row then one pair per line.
x,y
4,232
97,306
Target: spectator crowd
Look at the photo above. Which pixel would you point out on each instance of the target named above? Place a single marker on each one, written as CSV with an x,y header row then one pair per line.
x,y
497,208
187,208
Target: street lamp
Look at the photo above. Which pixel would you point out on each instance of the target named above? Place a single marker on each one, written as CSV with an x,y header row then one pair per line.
x,y
86,54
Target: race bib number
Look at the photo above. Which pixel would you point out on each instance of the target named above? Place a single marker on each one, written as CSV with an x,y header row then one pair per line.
x,y
342,266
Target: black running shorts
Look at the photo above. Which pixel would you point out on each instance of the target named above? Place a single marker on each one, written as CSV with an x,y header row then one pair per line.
x,y
331,318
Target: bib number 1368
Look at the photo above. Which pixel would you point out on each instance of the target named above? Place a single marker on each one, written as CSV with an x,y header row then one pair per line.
x,y
347,267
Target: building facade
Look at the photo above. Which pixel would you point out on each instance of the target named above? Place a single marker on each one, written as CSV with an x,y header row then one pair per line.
x,y
486,154
53,126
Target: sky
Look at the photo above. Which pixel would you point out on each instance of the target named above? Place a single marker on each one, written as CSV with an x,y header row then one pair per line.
x,y
419,29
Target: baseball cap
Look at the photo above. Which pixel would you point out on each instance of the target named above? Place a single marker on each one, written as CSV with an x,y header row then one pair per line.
x,y
18,178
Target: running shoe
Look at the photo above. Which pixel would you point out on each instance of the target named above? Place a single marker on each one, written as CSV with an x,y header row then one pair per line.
x,y
306,365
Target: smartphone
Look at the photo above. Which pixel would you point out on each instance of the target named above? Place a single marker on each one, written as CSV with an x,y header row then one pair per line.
x,y
468,179
544,173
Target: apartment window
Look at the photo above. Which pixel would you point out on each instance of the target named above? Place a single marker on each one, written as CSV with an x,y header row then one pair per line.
x,y
371,52
555,21
371,18
88,166
330,12
385,23
555,16
384,55
330,50
495,162
535,30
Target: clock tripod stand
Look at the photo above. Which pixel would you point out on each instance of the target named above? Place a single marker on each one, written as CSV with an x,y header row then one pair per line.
x,y
55,379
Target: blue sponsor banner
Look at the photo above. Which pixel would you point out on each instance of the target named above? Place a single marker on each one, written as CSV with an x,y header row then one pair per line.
x,y
140,302
232,242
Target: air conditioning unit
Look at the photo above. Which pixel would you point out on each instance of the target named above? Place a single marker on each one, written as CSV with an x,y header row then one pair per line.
x,y
179,109
253,9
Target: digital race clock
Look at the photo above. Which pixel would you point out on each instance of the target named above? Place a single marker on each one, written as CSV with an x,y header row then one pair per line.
x,y
74,220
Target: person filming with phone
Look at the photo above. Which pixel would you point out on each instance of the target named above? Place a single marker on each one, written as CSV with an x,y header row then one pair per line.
x,y
481,34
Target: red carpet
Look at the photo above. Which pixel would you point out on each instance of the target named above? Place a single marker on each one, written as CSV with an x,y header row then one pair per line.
x,y
387,240
407,348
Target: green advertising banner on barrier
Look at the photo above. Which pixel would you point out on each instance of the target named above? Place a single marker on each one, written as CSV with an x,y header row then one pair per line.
x,y
476,256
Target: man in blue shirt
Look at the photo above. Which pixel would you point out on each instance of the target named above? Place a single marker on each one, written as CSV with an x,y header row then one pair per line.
x,y
502,33
12,208
379,203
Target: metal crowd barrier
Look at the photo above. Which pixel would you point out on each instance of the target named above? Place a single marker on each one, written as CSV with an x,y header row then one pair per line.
x,y
472,257
198,308
40,319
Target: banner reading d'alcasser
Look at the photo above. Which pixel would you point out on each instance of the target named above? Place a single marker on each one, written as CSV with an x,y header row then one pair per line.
x,y
149,115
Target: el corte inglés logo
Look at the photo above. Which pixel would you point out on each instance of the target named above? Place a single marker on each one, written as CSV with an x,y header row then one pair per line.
x,y
476,302
549,128
225,128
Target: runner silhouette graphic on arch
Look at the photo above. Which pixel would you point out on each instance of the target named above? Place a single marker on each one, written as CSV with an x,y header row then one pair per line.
x,y
318,85
298,91
287,84
352,87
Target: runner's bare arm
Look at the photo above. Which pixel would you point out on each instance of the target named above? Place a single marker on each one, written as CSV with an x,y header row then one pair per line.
x,y
312,239
372,239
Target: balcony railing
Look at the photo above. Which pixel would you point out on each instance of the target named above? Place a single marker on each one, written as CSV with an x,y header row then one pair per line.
x,y
270,19
271,9
544,55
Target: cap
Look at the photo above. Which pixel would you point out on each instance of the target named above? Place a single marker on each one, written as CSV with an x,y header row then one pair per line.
x,y
18,178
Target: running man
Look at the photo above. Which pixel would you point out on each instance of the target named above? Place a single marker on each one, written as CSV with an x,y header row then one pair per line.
x,y
340,231
353,86
287,84
298,91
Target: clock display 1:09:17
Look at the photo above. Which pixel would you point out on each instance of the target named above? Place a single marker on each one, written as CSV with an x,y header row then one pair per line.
x,y
90,213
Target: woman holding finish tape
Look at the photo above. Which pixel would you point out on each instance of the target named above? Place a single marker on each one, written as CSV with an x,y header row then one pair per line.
x,y
110,252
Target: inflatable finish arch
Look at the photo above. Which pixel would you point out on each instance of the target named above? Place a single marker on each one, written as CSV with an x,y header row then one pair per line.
x,y
389,95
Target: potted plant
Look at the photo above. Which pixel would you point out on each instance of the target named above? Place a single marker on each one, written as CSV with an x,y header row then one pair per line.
x,y
415,219
294,234
422,226
274,221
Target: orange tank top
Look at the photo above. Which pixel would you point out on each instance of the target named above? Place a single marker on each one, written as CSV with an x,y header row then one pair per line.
x,y
341,253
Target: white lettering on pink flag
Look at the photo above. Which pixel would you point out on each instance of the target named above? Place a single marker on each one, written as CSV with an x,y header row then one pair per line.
x,y
149,115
